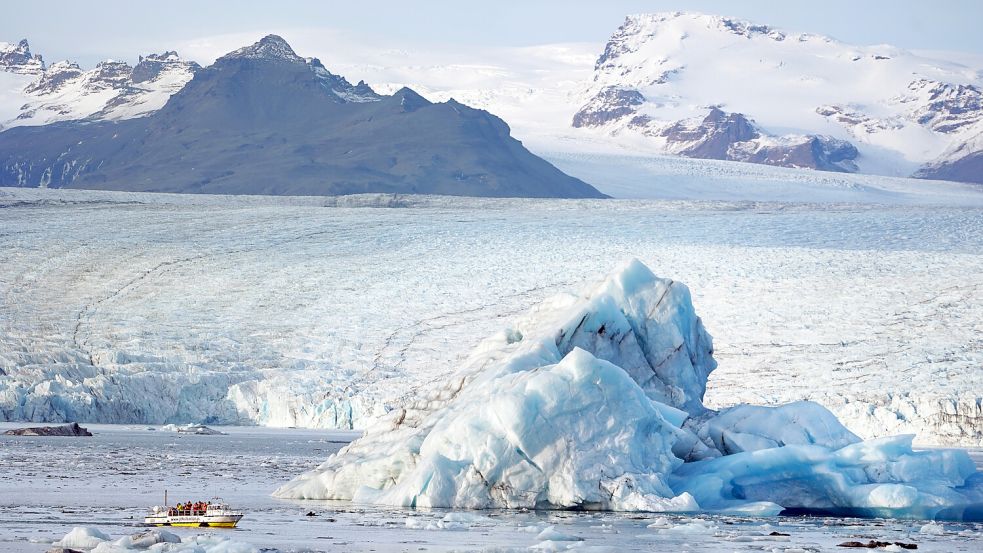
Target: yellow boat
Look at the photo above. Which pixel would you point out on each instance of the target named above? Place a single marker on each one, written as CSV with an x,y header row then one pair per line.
x,y
211,514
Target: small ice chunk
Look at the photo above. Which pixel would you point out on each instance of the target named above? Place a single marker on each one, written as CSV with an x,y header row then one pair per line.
x,y
82,537
551,534
694,526
661,522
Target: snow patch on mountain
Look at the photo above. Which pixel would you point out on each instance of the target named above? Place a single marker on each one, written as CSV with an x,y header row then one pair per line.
x,y
268,47
112,90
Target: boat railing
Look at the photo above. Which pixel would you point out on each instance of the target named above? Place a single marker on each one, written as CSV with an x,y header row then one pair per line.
x,y
185,512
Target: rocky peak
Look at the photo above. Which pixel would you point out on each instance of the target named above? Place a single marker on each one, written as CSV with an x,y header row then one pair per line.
x,y
168,56
152,65
713,136
609,104
111,74
409,100
820,152
340,87
734,137
271,47
944,107
57,75
19,59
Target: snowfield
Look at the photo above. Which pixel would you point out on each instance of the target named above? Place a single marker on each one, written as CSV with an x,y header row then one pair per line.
x,y
330,312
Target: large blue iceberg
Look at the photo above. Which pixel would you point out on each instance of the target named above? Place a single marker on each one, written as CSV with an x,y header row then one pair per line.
x,y
595,401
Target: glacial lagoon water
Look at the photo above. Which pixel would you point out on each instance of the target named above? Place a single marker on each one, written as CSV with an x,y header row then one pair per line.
x,y
50,485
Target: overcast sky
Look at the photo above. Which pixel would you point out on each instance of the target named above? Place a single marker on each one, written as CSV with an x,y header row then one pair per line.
x,y
98,29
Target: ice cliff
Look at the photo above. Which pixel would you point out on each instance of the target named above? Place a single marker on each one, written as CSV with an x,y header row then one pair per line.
x,y
594,401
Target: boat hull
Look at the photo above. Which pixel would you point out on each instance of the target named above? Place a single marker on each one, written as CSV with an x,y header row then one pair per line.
x,y
206,521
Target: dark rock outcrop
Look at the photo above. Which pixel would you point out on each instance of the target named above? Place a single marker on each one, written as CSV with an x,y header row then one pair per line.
x,y
262,120
65,430
968,168
811,152
54,78
151,66
712,138
733,137
947,107
610,104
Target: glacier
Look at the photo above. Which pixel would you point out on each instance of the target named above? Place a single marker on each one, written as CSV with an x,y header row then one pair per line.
x,y
222,310
593,401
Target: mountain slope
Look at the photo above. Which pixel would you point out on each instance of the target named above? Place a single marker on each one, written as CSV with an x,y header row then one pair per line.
x,y
805,100
961,162
262,120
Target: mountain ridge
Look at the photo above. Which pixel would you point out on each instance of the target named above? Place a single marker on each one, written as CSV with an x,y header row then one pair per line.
x,y
813,101
263,120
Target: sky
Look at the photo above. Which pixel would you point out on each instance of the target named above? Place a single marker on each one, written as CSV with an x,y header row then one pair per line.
x,y
94,30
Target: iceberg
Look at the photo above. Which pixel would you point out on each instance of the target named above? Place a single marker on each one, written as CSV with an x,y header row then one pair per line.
x,y
594,401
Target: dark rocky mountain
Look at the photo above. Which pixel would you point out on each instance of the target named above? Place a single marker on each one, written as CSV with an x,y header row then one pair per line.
x,y
718,135
965,169
963,163
734,137
262,120
713,137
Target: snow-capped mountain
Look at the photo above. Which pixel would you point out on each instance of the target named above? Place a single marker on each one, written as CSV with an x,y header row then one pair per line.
x,y
17,58
715,87
677,84
263,120
113,90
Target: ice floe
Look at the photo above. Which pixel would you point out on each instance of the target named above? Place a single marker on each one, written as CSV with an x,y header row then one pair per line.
x,y
159,541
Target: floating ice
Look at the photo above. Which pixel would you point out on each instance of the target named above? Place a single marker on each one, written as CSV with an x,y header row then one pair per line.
x,y
882,477
550,533
450,521
595,402
82,538
158,541
191,428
